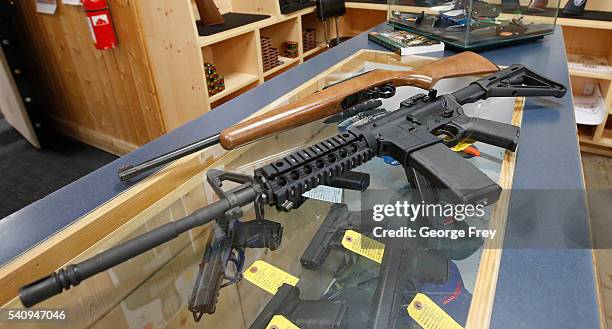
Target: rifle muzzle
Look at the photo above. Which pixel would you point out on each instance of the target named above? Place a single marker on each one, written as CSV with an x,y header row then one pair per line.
x,y
49,286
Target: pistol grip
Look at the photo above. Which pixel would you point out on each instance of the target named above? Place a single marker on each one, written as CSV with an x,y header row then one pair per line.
x,y
306,314
449,171
491,132
320,246
206,289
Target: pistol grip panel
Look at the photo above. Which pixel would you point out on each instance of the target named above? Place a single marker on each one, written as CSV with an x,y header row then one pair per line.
x,y
321,244
319,314
493,133
208,282
306,314
447,170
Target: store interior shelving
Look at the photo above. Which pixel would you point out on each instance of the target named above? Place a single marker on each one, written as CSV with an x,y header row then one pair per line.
x,y
582,37
594,43
237,52
237,74
232,51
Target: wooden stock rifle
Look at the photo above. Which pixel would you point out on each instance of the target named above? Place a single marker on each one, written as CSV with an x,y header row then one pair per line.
x,y
329,101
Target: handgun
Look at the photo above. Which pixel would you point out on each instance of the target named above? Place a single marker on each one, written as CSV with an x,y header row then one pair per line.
x,y
306,314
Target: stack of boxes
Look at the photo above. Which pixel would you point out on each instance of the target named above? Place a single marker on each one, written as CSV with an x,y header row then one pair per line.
x,y
309,39
269,54
290,49
214,81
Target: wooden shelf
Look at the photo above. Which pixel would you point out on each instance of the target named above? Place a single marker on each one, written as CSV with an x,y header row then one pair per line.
x,y
592,40
586,23
589,74
177,93
604,142
215,38
286,63
369,6
314,50
237,52
234,81
236,59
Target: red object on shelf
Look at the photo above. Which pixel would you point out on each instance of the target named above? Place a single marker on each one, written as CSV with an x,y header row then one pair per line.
x,y
100,24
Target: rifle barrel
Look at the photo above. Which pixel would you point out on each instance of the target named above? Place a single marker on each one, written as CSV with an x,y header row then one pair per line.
x,y
72,275
130,171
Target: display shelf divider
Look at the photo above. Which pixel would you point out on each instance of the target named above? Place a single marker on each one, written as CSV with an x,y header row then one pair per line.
x,y
260,70
599,131
300,41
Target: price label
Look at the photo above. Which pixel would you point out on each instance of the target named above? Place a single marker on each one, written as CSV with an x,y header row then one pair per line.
x,y
429,315
364,246
281,322
268,277
462,145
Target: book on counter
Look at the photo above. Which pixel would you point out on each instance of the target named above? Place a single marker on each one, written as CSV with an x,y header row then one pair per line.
x,y
405,43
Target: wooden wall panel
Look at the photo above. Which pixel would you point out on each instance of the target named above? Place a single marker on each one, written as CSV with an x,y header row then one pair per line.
x,y
11,103
358,20
96,96
171,39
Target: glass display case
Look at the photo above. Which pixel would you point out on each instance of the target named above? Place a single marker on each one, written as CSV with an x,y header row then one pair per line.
x,y
475,24
153,290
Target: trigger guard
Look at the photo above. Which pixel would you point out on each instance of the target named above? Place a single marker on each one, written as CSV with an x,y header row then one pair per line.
x,y
387,91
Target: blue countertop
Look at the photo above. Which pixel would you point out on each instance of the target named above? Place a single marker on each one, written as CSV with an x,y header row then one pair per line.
x,y
546,278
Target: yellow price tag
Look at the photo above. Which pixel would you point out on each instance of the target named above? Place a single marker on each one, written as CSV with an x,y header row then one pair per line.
x,y
364,246
268,277
281,322
462,146
429,315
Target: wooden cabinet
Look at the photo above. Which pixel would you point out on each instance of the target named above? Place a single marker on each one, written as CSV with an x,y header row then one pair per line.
x,y
154,82
594,40
104,98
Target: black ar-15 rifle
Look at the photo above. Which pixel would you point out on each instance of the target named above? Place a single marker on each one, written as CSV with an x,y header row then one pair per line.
x,y
337,98
410,135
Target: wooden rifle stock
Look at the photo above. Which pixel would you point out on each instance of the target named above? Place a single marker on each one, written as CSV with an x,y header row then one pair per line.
x,y
209,13
326,102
